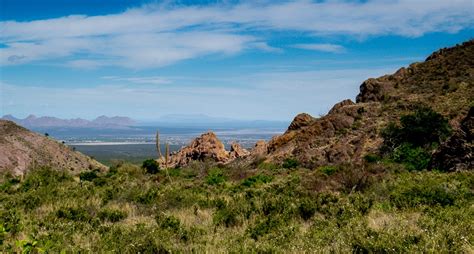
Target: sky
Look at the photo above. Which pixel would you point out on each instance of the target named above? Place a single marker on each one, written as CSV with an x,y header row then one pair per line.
x,y
266,60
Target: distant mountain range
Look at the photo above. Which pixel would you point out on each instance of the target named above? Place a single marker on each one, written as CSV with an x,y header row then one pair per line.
x,y
121,122
48,121
202,120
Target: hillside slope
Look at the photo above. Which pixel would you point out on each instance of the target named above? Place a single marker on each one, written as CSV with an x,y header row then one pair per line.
x,y
444,82
21,149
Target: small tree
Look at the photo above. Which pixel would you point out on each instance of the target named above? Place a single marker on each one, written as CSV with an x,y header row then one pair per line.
x,y
421,129
151,166
412,140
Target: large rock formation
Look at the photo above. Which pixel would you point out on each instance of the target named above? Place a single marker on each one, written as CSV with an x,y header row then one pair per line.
x,y
206,147
22,150
444,82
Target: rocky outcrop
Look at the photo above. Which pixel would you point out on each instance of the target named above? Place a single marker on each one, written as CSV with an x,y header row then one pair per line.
x,y
207,147
22,150
444,82
260,149
300,121
237,151
457,153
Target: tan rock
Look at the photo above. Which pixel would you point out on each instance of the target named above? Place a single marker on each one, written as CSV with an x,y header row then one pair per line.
x,y
206,147
236,151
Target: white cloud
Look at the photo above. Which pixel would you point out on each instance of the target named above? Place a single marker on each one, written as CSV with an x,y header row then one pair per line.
x,y
324,47
157,35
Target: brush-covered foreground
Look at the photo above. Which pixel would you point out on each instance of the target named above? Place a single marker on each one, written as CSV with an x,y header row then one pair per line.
x,y
377,208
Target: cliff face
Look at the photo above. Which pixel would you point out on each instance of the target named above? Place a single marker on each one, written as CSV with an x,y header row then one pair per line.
x,y
444,82
22,150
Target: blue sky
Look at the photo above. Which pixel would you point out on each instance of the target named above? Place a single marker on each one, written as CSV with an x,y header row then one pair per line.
x,y
238,59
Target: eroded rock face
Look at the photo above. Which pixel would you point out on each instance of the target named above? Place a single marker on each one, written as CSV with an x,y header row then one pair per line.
x,y
22,150
457,153
206,147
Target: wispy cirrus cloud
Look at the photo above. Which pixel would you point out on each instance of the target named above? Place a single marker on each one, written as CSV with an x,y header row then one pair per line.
x,y
324,47
140,80
162,34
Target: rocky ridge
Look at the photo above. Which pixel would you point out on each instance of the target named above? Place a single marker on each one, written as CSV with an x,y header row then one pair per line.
x,y
444,82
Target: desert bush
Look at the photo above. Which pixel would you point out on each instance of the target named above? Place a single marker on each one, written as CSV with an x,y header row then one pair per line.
x,y
257,179
44,177
215,176
227,216
421,129
307,208
290,163
371,158
147,196
414,158
151,166
112,215
328,170
74,214
88,175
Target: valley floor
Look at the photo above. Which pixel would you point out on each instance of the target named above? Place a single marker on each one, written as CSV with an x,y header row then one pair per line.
x,y
204,208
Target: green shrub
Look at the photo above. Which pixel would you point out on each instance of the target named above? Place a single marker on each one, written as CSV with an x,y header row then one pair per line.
x,y
328,170
215,176
147,197
255,180
99,181
74,214
88,175
306,209
264,227
112,215
151,166
170,222
290,163
226,216
414,158
431,190
371,158
44,177
421,129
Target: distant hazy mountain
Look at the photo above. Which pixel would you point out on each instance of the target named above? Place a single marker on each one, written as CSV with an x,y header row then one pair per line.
x,y
48,121
201,120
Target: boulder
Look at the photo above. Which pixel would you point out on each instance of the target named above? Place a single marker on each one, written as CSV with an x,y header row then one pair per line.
x,y
301,120
237,151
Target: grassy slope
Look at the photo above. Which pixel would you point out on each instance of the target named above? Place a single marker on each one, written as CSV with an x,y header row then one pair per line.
x,y
203,208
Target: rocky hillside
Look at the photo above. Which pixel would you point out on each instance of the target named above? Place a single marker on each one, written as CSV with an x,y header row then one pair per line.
x,y
21,150
443,82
